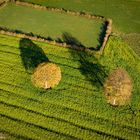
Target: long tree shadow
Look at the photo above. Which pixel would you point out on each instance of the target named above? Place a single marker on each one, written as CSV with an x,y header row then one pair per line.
x,y
31,54
89,65
70,40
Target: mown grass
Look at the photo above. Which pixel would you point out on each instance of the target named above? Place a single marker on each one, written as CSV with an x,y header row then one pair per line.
x,y
125,15
51,24
76,108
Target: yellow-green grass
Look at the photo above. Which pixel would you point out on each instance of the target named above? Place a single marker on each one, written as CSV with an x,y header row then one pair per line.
x,y
76,108
52,24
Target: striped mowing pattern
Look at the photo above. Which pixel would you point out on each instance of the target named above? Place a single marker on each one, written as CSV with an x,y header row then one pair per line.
x,y
75,109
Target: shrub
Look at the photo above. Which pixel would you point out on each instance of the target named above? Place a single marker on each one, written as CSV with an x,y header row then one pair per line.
x,y
46,75
118,87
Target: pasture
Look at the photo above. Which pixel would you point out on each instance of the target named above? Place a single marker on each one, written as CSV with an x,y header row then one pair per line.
x,y
52,25
124,13
76,108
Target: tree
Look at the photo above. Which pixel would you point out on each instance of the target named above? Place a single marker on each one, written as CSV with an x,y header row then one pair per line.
x,y
118,87
46,75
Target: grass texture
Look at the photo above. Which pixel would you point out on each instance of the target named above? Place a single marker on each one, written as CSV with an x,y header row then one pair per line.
x,y
51,24
76,108
125,13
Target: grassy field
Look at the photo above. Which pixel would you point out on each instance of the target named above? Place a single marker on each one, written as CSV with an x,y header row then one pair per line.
x,y
51,24
76,108
125,15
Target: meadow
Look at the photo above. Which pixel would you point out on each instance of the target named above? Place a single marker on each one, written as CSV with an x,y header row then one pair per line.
x,y
76,108
124,13
51,24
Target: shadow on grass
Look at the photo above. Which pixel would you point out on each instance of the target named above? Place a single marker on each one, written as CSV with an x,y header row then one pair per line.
x,y
89,65
70,40
101,35
31,54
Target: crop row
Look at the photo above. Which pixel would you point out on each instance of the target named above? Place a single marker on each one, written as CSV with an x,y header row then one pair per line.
x,y
99,125
66,87
77,106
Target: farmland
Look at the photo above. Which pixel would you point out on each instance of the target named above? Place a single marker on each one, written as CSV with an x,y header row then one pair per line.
x,y
125,15
74,109
122,12
51,24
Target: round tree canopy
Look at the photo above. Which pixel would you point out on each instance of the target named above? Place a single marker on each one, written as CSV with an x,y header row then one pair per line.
x,y
46,75
118,87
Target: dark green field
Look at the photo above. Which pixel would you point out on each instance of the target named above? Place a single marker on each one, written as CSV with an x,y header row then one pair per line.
x,y
125,15
51,24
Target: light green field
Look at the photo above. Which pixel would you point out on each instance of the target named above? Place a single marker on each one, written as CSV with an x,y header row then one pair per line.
x,y
51,24
76,108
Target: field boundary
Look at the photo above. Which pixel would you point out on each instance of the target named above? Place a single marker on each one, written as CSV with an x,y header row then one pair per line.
x,y
17,33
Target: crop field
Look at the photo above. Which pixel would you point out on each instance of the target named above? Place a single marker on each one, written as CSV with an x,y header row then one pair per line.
x,y
52,24
76,108
125,15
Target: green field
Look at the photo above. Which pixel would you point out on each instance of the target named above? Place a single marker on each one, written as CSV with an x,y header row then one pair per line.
x,y
76,108
125,15
52,24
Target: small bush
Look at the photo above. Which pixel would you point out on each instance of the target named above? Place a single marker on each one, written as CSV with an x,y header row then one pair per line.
x,y
46,75
118,87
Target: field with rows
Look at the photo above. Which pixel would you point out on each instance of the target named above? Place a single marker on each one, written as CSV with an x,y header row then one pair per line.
x,y
76,108
52,24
